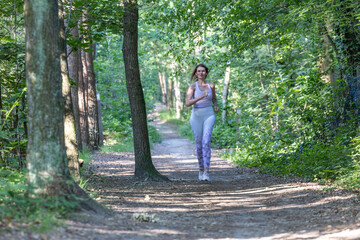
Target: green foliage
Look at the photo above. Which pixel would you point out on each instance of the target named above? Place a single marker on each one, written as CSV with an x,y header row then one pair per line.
x,y
111,85
85,155
122,145
223,135
154,135
186,131
12,85
118,147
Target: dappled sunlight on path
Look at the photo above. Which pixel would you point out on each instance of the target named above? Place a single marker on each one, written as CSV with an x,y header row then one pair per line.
x,y
238,203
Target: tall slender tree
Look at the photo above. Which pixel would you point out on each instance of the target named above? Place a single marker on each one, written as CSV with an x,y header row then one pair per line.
x,y
144,168
75,71
83,93
226,90
91,102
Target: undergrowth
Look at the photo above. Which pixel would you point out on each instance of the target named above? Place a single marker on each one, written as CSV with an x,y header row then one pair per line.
x,y
18,210
126,144
38,214
336,163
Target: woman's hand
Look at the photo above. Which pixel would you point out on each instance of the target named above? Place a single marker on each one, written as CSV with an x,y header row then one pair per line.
x,y
216,109
204,95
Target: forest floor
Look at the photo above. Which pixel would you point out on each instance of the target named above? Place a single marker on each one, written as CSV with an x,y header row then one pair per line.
x,y
238,203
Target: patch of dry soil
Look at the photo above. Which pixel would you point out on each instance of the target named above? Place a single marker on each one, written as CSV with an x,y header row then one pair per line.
x,y
238,203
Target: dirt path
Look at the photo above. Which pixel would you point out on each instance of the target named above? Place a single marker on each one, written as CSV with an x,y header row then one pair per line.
x,y
238,203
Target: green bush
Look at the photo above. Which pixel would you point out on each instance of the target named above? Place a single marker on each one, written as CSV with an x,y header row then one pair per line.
x,y
154,135
224,135
186,131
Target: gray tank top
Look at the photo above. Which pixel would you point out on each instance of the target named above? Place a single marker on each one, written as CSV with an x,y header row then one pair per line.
x,y
206,101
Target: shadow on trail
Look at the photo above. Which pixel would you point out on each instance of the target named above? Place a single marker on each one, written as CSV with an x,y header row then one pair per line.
x,y
250,206
238,203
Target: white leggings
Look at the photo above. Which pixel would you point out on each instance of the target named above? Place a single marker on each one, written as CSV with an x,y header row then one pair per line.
x,y
202,122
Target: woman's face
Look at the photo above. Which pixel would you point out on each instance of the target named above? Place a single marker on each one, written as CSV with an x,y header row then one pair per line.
x,y
201,73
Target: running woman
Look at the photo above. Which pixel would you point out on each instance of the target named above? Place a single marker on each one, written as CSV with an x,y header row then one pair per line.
x,y
201,95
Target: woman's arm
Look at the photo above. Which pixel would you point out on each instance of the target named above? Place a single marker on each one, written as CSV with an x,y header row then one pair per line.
x,y
190,94
214,99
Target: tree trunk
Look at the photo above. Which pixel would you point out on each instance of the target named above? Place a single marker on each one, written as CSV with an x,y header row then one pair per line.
x,y
177,92
101,135
92,112
162,78
226,91
71,145
74,64
92,103
48,173
46,150
162,81
170,94
144,168
83,86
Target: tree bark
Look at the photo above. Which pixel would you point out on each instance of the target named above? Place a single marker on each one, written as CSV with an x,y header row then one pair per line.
x,y
72,151
89,55
144,168
101,135
162,81
177,92
74,64
48,173
46,150
82,91
170,94
226,91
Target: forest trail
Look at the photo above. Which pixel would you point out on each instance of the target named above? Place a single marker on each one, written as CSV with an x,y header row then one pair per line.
x,y
238,203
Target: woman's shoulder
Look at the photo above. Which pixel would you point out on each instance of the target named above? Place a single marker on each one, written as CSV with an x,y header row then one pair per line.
x,y
193,85
212,85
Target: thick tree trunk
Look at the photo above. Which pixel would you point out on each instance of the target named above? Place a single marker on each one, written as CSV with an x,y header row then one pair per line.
x,y
48,173
225,91
144,168
71,145
46,150
74,64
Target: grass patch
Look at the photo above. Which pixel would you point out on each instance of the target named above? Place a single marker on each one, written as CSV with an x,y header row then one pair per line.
x,y
86,156
127,146
39,214
154,135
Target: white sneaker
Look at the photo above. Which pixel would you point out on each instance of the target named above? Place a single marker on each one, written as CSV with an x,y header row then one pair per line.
x,y
206,176
201,175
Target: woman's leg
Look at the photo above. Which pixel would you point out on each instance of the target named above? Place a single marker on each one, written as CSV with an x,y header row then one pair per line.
x,y
197,128
206,139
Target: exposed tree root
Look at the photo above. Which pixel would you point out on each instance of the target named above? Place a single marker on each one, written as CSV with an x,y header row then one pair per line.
x,y
71,191
151,175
